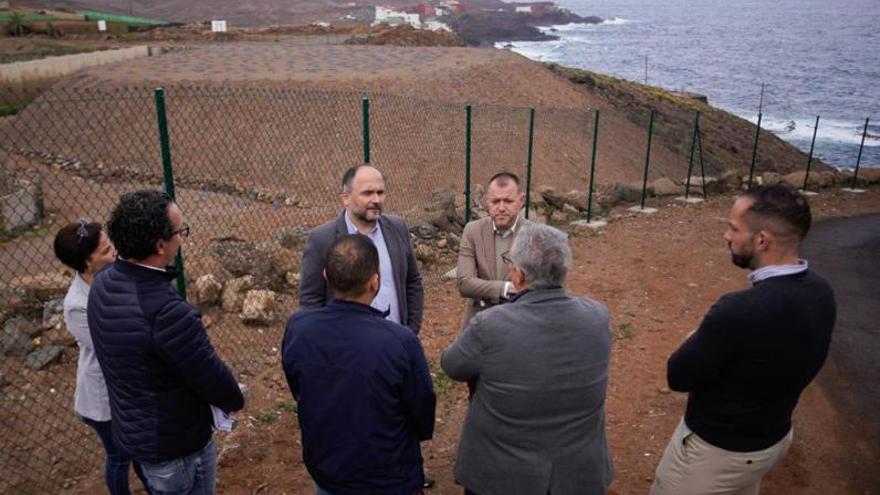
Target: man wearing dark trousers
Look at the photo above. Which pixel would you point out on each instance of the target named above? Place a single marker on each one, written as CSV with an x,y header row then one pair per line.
x,y
756,350
363,390
162,373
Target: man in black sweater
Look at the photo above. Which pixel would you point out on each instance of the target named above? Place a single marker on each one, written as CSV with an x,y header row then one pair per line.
x,y
756,350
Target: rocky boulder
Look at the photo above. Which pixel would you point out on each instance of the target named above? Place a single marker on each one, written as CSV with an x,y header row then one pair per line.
x,y
206,291
617,194
731,180
16,340
53,313
665,187
240,258
577,199
424,230
831,177
453,241
59,336
30,291
796,180
425,253
552,197
869,175
441,213
292,279
21,207
713,185
293,238
41,358
234,293
771,179
258,307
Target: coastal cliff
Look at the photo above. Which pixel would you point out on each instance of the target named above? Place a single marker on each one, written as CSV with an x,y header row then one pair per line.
x,y
481,27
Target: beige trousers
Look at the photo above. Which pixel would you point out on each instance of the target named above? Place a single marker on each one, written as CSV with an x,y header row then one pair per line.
x,y
692,466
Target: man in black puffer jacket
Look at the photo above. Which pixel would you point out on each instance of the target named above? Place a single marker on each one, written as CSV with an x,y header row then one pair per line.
x,y
162,372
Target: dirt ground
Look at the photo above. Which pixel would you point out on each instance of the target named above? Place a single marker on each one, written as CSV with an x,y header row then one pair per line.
x,y
659,274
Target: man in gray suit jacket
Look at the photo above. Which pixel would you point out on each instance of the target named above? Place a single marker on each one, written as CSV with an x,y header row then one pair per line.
x,y
536,424
401,292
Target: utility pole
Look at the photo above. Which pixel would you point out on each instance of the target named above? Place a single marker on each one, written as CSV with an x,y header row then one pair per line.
x,y
646,70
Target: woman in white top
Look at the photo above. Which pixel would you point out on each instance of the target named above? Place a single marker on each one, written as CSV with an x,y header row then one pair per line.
x,y
85,247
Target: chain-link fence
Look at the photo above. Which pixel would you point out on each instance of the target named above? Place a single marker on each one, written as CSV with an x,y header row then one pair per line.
x,y
253,169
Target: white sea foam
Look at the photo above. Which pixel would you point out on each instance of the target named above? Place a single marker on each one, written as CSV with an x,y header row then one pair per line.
x,y
616,21
830,130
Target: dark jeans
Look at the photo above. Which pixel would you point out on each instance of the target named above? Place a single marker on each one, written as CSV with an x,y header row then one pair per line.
x,y
115,463
194,474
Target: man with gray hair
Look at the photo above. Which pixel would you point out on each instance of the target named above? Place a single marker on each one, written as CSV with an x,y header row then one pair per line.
x,y
536,424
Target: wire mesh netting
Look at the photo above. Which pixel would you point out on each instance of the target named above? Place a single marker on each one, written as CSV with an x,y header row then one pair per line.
x,y
253,170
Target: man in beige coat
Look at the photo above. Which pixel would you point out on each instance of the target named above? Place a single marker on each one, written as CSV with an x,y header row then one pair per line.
x,y
483,278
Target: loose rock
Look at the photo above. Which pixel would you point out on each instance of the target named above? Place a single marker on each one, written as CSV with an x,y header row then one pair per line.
x,y
551,196
207,290
665,187
41,358
293,238
14,342
234,293
258,307
53,313
424,230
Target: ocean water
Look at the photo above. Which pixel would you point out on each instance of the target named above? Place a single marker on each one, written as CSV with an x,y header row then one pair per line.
x,y
814,57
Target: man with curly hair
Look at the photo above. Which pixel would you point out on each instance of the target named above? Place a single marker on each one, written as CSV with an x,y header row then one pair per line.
x,y
162,372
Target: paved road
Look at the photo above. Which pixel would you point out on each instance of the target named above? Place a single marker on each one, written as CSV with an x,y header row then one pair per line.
x,y
847,253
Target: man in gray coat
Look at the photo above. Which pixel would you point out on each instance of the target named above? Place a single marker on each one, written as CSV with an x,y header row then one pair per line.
x,y
363,197
536,425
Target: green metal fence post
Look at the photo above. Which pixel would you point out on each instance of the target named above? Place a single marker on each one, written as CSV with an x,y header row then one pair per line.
x,y
687,186
754,152
168,175
810,158
859,160
467,163
529,161
702,165
365,110
647,159
593,168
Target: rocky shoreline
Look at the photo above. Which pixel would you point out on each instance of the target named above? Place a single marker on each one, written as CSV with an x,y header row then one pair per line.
x,y
484,27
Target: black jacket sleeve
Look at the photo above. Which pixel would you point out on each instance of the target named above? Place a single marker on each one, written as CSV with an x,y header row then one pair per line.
x,y
180,335
418,390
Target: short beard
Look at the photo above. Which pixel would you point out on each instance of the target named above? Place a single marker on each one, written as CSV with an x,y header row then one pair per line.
x,y
362,215
742,260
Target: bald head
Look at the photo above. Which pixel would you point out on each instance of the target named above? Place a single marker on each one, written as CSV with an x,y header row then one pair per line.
x,y
361,171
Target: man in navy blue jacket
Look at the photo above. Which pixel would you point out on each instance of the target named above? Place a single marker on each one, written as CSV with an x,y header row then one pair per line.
x,y
162,372
364,393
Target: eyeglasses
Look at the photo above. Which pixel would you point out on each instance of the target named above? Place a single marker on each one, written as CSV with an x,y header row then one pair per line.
x,y
183,231
506,258
82,232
